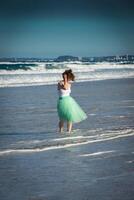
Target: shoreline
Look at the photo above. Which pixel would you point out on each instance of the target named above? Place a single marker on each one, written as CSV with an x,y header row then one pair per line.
x,y
75,82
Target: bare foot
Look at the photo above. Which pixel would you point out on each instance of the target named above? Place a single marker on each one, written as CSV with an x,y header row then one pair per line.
x,y
69,131
61,131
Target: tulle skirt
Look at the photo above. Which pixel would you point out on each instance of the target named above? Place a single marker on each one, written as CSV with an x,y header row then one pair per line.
x,y
69,110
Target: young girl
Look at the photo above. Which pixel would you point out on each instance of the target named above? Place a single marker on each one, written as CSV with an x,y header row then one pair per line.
x,y
68,109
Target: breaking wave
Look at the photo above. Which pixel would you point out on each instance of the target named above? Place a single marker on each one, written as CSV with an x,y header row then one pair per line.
x,y
44,73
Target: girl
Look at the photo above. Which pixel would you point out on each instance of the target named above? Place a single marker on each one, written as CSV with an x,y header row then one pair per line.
x,y
68,109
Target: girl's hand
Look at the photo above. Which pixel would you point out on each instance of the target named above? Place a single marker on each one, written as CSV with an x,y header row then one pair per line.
x,y
60,85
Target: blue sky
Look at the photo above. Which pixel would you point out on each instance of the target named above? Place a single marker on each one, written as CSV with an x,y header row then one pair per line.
x,y
53,28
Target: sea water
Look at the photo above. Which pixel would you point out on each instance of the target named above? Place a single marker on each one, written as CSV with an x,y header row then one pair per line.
x,y
94,162
29,120
44,73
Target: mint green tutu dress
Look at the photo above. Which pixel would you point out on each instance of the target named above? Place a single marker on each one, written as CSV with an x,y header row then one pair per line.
x,y
68,109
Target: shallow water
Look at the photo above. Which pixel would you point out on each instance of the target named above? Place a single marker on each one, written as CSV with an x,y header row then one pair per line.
x,y
94,161
29,117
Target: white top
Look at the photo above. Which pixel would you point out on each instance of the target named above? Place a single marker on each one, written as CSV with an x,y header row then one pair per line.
x,y
63,92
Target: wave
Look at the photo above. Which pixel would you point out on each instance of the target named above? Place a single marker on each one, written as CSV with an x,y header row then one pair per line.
x,y
67,142
26,74
54,66
16,66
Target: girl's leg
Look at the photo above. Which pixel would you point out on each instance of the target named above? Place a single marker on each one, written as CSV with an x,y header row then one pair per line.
x,y
61,124
69,126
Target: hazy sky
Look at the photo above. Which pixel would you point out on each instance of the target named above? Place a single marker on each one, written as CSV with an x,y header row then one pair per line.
x,y
49,28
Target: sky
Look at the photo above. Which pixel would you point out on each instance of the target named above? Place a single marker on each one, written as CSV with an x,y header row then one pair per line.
x,y
50,28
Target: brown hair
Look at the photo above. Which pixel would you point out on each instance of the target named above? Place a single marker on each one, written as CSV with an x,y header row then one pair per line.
x,y
69,74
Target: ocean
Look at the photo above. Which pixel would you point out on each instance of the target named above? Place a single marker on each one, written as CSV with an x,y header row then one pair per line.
x,y
95,161
44,73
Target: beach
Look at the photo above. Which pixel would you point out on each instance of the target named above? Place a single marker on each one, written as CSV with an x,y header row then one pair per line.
x,y
94,162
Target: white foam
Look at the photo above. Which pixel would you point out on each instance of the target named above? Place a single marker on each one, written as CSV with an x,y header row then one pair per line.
x,y
117,135
96,153
92,114
130,161
73,138
42,75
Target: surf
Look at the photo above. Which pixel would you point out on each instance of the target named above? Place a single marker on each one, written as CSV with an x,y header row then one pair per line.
x,y
68,141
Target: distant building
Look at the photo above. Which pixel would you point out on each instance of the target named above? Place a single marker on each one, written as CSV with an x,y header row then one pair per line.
x,y
66,58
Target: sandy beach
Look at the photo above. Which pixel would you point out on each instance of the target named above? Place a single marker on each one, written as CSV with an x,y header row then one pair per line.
x,y
94,162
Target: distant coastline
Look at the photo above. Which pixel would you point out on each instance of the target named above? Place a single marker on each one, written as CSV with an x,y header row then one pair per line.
x,y
126,59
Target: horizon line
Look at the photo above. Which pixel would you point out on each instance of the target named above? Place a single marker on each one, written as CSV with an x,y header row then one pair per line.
x,y
67,55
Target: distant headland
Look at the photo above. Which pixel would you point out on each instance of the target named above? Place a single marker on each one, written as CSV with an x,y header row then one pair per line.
x,y
68,58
